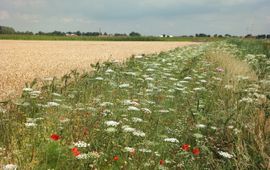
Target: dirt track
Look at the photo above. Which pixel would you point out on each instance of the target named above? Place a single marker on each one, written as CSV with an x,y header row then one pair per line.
x,y
22,61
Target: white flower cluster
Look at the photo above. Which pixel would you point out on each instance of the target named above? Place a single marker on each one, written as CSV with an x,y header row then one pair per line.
x,y
83,156
133,108
201,126
172,140
126,85
52,104
225,154
136,120
111,130
129,149
112,123
127,128
10,167
138,133
81,144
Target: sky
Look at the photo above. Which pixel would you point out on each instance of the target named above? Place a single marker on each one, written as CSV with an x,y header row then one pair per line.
x,y
148,17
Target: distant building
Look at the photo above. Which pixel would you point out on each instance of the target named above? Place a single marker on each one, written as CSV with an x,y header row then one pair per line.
x,y
166,36
71,35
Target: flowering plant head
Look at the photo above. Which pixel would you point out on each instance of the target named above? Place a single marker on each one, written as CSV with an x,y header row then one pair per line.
x,y
196,151
55,137
185,147
75,151
116,158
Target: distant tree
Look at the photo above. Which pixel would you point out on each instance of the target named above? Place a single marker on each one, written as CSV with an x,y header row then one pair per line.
x,y
263,36
58,33
105,33
78,33
120,35
201,35
134,34
29,33
220,36
41,33
248,36
7,30
268,36
25,33
89,33
227,35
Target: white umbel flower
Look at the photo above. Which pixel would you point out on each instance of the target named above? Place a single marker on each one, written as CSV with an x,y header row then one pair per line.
x,y
201,126
27,89
133,108
99,78
145,150
129,149
173,140
30,124
10,167
111,130
138,133
225,154
52,104
136,120
112,123
81,144
124,85
83,156
127,128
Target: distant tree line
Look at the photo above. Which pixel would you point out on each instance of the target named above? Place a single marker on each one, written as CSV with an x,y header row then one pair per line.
x,y
10,30
7,30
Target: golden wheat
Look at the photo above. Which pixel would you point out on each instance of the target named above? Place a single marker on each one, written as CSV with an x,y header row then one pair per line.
x,y
22,61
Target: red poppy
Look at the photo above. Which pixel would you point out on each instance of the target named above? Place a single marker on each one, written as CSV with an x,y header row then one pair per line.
x,y
55,137
161,162
75,151
185,147
116,158
196,151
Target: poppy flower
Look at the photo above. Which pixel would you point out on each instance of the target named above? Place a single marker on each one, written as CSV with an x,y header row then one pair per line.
x,y
196,151
55,137
161,162
185,147
116,158
75,151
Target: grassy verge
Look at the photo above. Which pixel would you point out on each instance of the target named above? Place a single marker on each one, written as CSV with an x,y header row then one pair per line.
x,y
89,38
174,110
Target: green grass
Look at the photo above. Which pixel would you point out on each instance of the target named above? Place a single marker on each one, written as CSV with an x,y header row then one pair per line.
x,y
92,38
256,53
158,103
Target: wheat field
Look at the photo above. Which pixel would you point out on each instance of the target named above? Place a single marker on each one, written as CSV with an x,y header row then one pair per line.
x,y
22,61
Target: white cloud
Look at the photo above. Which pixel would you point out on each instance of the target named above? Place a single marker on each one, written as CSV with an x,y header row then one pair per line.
x,y
28,18
4,15
25,2
67,19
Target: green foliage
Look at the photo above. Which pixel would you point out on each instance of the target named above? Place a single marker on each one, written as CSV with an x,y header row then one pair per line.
x,y
135,34
137,115
256,53
6,30
41,36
